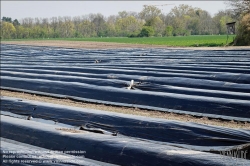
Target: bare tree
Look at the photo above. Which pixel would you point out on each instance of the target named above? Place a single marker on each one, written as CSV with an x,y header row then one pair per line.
x,y
77,21
37,21
239,7
27,22
54,23
149,12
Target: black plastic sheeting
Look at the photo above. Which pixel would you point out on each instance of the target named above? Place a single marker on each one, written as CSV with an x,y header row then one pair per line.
x,y
106,148
40,156
181,134
202,83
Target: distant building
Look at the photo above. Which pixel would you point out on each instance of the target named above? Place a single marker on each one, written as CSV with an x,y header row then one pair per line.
x,y
231,28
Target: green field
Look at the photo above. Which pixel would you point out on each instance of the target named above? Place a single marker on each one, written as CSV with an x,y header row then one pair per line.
x,y
183,41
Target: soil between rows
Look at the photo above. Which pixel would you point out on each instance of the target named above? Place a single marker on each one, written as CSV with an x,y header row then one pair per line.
x,y
127,110
109,45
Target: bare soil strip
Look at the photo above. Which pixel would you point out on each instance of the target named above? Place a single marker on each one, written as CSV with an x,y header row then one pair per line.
x,y
127,110
109,45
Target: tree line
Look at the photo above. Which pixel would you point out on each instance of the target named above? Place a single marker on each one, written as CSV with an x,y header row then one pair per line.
x,y
182,20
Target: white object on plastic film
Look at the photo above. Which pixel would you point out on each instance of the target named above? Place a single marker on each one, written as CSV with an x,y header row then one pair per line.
x,y
29,117
131,85
97,61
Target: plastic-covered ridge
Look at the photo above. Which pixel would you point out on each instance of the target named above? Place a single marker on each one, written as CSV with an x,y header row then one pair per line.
x,y
182,134
195,82
109,149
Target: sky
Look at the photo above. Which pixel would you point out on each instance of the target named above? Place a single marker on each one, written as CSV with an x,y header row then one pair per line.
x,y
47,9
